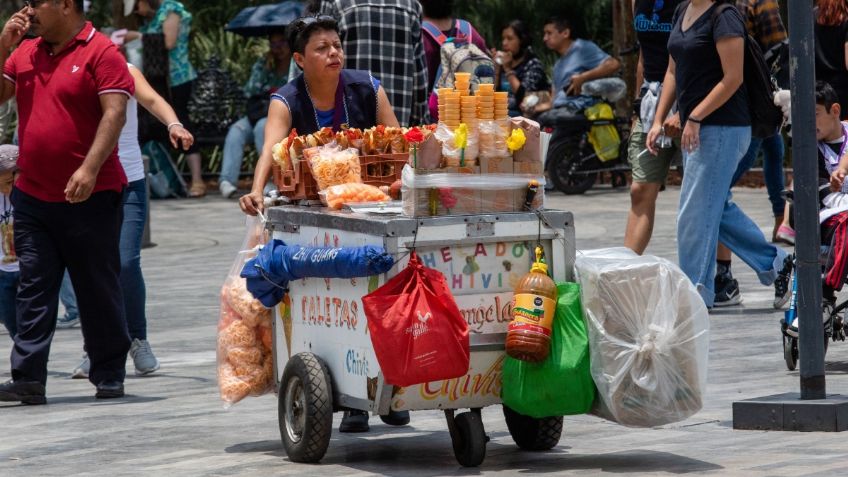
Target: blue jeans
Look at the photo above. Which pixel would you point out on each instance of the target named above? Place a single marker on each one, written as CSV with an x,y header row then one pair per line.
x,y
132,280
708,214
8,296
237,136
69,300
773,151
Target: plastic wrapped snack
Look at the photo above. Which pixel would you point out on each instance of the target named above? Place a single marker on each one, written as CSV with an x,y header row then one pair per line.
x,y
245,364
493,136
332,165
648,337
453,156
336,196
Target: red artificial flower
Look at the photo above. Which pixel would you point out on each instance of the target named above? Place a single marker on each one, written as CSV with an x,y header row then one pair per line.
x,y
414,136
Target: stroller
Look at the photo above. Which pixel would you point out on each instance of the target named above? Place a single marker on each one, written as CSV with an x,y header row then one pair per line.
x,y
833,312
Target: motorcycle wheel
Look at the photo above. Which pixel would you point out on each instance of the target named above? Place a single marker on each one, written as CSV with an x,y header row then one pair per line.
x,y
565,163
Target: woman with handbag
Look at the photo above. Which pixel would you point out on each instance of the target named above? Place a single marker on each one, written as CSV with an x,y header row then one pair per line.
x,y
267,75
519,71
707,50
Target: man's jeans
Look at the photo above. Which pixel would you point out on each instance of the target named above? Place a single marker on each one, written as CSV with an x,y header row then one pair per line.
x,y
773,151
238,135
132,280
8,293
708,214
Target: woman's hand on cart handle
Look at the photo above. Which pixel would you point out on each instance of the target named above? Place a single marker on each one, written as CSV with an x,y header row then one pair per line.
x,y
253,203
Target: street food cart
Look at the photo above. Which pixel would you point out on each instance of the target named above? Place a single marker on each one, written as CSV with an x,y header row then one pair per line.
x,y
323,356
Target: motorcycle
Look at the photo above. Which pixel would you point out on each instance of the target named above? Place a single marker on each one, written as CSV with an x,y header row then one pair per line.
x,y
572,163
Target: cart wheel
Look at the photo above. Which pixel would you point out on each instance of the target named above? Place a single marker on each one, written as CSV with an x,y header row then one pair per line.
x,y
533,434
469,443
306,408
790,352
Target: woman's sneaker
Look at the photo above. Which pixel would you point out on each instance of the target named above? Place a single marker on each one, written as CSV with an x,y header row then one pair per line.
x,y
65,322
143,359
727,292
782,283
81,371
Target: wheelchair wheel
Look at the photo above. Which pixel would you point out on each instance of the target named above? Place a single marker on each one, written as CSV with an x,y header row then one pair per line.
x,y
790,352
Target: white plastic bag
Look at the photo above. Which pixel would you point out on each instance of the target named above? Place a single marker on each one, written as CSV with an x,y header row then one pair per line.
x,y
648,337
245,360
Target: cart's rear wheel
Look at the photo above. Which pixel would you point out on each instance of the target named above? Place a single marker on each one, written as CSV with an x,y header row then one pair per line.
x,y
469,442
790,352
306,408
533,434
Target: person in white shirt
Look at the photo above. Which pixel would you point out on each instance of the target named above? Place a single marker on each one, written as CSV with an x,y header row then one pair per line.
x,y
135,215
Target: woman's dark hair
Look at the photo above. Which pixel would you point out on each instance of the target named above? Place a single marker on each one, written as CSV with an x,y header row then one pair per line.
x,y
437,9
301,30
832,12
154,4
825,95
525,38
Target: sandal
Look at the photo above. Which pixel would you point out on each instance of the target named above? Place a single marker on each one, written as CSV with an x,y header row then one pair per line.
x,y
197,190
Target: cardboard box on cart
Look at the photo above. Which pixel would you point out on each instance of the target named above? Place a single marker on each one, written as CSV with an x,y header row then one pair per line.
x,y
501,200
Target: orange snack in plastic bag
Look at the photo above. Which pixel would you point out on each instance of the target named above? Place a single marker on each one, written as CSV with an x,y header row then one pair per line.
x,y
336,196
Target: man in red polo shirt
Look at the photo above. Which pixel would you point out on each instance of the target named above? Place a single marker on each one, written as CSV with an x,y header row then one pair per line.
x,y
72,86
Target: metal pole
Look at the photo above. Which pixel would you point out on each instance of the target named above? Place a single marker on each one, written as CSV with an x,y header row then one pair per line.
x,y
808,270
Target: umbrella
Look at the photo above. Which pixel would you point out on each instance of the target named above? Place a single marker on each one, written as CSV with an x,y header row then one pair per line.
x,y
269,273
265,19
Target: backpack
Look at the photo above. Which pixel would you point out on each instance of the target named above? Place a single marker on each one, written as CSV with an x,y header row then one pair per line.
x,y
164,177
766,118
460,55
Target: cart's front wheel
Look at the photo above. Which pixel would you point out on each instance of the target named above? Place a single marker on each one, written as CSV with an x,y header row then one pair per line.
x,y
469,442
533,434
306,408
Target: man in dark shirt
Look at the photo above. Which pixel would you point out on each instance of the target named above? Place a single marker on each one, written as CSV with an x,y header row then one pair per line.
x,y
71,86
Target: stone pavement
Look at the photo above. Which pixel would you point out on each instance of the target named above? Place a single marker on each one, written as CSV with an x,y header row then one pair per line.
x,y
174,424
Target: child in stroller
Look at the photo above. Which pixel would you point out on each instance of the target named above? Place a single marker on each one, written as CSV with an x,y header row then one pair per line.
x,y
832,136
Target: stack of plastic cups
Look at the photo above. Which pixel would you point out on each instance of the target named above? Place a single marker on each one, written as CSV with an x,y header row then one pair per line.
x,y
441,93
485,102
501,105
451,115
468,113
462,82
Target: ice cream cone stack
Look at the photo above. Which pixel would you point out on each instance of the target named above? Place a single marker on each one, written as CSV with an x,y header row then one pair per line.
x,y
485,102
501,105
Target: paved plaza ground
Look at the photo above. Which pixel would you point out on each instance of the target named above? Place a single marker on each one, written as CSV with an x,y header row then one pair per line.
x,y
174,424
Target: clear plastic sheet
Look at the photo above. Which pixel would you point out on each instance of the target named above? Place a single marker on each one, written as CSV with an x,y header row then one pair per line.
x,y
610,89
648,337
464,191
245,359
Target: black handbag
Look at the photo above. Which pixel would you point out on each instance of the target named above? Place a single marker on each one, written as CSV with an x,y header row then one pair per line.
x,y
257,107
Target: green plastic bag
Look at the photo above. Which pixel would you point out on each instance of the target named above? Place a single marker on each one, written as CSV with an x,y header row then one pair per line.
x,y
562,384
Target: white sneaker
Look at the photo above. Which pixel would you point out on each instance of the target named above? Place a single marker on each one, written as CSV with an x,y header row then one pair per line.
x,y
227,189
143,359
81,371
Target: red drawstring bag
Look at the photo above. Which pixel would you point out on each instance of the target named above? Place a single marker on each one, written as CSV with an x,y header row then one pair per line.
x,y
416,328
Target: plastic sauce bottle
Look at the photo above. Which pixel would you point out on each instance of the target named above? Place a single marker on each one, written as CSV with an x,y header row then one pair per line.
x,y
529,334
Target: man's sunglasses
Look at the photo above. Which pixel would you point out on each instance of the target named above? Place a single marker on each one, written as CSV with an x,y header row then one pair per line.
x,y
306,21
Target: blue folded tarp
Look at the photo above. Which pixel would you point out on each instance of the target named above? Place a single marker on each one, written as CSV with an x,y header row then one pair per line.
x,y
269,273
